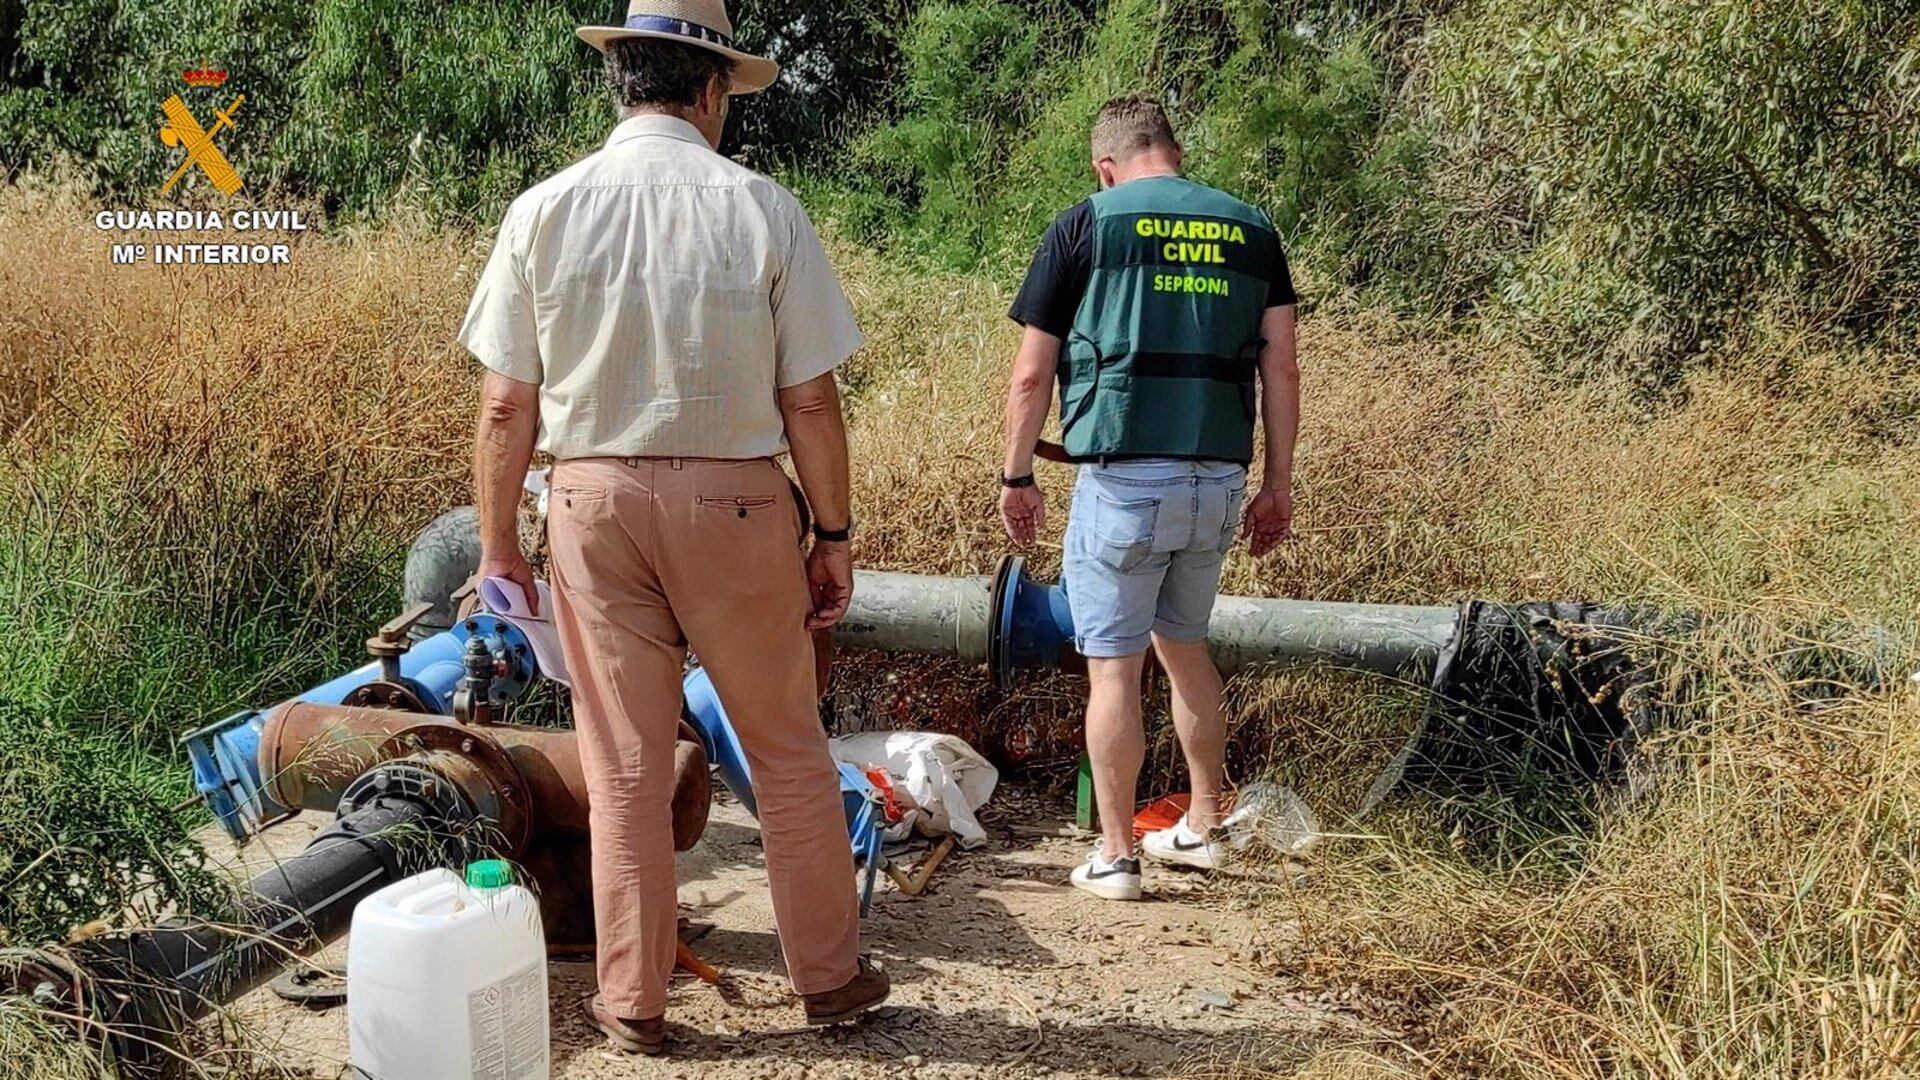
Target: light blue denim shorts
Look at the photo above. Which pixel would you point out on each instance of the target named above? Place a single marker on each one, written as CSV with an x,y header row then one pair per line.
x,y
1144,543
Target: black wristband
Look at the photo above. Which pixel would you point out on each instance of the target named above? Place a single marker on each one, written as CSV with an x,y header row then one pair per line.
x,y
833,536
1016,481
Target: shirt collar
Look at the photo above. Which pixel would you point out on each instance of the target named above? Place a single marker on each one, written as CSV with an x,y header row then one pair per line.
x,y
642,125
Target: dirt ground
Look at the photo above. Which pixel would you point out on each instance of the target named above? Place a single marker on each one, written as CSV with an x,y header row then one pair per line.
x,y
999,969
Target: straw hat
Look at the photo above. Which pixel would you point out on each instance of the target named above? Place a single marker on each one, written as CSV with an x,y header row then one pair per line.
x,y
696,22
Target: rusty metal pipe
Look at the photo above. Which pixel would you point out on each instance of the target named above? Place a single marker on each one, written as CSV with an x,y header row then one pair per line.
x,y
310,753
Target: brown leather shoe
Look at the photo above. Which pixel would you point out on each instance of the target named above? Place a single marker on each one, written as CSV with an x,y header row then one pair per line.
x,y
633,1036
868,988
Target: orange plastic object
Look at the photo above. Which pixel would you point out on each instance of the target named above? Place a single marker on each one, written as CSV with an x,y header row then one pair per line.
x,y
1160,814
1166,813
891,808
685,960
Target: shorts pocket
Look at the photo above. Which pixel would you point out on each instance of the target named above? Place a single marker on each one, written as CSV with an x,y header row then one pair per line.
x,y
738,505
1124,530
1236,512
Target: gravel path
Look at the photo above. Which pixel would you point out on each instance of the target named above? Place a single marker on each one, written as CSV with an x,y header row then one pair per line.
x,y
999,969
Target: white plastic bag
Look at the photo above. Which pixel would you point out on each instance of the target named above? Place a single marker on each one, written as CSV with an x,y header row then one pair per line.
x,y
946,779
538,484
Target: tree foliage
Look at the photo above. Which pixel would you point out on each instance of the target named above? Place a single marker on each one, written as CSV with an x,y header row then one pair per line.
x,y
450,107
990,136
1625,185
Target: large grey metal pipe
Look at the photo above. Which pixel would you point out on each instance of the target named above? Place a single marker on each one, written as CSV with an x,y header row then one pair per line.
x,y
1013,622
937,616
1009,621
1248,632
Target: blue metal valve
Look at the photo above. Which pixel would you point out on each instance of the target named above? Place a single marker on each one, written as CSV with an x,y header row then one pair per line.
x,y
433,668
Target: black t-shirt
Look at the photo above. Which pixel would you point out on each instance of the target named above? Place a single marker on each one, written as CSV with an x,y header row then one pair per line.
x,y
1057,278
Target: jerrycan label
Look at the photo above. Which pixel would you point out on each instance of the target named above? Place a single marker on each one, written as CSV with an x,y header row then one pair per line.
x,y
504,1023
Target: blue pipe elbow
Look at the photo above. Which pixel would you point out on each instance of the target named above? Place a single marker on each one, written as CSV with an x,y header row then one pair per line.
x,y
717,737
858,800
1032,622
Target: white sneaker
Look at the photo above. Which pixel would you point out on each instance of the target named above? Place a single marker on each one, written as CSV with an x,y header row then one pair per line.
x,y
1116,880
1179,843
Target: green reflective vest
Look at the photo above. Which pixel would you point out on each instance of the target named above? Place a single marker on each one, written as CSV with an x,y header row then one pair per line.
x,y
1161,358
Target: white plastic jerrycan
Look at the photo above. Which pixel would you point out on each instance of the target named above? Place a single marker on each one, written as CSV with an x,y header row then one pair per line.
x,y
447,979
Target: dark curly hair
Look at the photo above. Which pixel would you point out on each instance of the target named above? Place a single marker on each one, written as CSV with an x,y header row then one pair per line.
x,y
648,71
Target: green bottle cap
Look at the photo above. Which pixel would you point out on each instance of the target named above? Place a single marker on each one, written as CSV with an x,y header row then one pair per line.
x,y
490,874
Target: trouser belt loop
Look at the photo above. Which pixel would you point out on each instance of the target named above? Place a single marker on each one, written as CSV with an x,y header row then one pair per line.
x,y
677,463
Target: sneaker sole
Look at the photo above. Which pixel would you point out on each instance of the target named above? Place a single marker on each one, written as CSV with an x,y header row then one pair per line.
x,y
1106,891
1197,859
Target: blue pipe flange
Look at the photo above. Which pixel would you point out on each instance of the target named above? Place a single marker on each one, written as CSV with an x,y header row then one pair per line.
x,y
432,669
1032,623
515,666
226,772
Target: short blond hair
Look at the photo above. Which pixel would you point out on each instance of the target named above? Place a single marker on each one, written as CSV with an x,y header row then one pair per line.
x,y
1128,125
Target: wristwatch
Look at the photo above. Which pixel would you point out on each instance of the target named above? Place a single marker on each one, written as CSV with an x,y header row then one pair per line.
x,y
1016,481
833,536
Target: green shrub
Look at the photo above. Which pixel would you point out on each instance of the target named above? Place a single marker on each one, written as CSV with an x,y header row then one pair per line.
x,y
81,83
968,78
990,140
87,833
1624,188
1661,172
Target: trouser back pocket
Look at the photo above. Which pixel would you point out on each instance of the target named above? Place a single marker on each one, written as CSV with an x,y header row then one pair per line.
x,y
1124,529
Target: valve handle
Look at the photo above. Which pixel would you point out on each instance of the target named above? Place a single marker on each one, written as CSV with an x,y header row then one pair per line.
x,y
391,641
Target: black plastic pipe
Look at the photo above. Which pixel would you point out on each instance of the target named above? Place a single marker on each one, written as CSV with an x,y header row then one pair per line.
x,y
143,986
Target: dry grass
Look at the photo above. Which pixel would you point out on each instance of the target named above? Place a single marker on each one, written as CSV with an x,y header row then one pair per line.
x,y
1753,917
1432,470
341,366
36,1046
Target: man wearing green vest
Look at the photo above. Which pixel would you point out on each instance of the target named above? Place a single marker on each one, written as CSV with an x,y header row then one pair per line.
x,y
1164,308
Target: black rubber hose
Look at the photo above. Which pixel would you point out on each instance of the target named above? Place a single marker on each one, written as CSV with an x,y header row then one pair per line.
x,y
149,983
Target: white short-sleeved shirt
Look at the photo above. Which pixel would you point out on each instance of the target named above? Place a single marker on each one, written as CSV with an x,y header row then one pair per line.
x,y
660,295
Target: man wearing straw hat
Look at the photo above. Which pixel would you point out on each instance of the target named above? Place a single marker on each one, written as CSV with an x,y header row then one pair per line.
x,y
666,323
